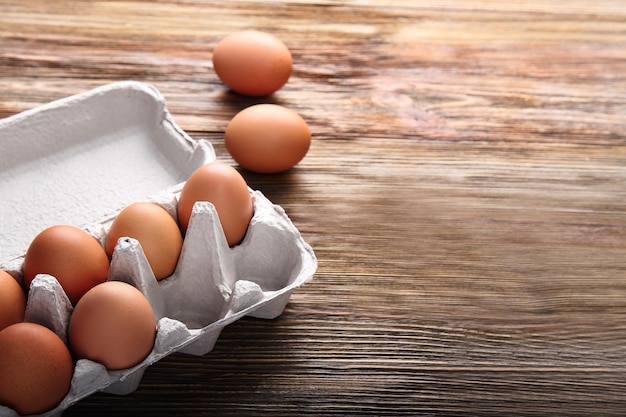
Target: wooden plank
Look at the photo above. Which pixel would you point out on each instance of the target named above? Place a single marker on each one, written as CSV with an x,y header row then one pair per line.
x,y
465,194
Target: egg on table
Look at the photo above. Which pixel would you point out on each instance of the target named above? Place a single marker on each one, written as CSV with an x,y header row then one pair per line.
x,y
267,138
252,63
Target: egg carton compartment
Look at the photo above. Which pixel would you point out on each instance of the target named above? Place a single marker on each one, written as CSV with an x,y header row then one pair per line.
x,y
212,286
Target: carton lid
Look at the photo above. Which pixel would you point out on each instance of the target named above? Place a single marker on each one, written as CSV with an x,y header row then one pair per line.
x,y
81,158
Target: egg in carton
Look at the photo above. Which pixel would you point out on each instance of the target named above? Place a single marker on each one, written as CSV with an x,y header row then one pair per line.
x,y
212,286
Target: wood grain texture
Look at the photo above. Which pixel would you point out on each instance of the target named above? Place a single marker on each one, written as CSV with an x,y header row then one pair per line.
x,y
465,194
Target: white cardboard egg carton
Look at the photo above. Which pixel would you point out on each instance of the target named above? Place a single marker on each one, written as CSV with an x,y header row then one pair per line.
x,y
121,140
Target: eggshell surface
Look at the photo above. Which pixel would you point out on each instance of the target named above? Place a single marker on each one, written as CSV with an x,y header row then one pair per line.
x,y
36,368
113,324
157,232
252,63
224,187
12,301
74,257
267,138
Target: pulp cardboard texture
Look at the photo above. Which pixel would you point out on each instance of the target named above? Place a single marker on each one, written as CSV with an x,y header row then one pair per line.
x,y
74,160
122,142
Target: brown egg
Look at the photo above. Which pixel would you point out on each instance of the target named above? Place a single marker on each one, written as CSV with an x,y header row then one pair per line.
x,y
157,232
224,187
113,324
74,257
252,63
267,138
12,301
36,368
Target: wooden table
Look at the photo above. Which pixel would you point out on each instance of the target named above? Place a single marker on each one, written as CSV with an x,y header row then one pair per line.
x,y
465,194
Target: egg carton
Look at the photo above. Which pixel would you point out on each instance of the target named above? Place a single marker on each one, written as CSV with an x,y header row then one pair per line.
x,y
213,284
